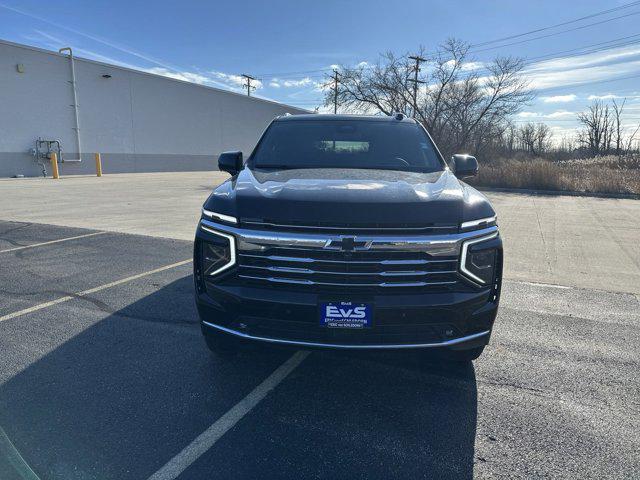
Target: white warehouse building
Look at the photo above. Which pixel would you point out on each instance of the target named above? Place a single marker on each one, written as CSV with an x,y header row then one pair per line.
x,y
139,122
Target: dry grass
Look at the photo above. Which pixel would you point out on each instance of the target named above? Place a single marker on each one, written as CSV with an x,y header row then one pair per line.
x,y
593,175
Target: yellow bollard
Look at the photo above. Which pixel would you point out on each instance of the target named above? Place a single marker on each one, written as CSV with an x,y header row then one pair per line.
x,y
98,165
54,165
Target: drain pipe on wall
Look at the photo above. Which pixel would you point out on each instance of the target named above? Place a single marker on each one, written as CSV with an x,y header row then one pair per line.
x,y
75,104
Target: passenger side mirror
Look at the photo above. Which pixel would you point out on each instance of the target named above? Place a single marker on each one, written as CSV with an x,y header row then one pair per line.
x,y
464,166
230,162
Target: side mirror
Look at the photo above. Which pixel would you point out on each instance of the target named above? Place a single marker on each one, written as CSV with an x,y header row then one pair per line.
x,y
230,162
464,166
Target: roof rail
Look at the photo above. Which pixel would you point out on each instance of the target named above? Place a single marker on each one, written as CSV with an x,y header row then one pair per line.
x,y
398,115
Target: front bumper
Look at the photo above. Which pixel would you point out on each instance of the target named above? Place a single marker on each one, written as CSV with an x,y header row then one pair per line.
x,y
453,320
477,338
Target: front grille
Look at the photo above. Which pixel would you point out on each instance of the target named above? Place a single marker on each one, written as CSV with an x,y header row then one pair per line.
x,y
371,263
328,270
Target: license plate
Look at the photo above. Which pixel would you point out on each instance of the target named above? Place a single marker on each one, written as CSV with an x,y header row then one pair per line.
x,y
345,315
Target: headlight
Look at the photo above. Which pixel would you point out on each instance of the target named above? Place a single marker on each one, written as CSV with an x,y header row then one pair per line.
x,y
478,259
219,216
218,252
480,223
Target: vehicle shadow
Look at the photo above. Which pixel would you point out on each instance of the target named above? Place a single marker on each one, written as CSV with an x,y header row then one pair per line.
x,y
387,415
134,386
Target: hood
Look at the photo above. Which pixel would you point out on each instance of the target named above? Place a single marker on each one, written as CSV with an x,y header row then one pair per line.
x,y
349,197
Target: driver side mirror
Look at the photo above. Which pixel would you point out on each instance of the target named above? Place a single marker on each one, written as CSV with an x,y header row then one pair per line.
x,y
230,162
464,166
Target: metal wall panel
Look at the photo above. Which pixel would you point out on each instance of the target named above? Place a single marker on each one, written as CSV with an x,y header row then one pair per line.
x,y
138,121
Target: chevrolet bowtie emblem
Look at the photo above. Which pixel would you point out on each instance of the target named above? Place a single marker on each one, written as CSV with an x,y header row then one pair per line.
x,y
347,244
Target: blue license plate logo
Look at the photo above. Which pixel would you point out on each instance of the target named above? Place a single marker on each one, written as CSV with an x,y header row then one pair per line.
x,y
345,315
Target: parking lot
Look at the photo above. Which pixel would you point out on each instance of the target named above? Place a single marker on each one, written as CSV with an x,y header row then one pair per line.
x,y
105,375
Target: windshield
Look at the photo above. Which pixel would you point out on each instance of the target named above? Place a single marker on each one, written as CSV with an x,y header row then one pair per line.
x,y
347,144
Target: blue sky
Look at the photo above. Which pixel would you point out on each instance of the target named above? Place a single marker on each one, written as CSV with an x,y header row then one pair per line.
x,y
290,45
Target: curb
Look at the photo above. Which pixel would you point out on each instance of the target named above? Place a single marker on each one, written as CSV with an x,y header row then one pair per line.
x,y
568,193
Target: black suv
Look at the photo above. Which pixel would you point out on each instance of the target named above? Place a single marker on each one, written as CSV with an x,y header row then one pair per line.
x,y
348,232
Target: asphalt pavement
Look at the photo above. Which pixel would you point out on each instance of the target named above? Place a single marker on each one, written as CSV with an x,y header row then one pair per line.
x,y
104,375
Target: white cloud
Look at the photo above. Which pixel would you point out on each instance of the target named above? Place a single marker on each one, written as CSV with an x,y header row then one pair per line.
x,y
593,67
609,96
231,80
560,98
560,114
468,66
107,42
289,83
184,76
528,114
297,83
216,79
542,116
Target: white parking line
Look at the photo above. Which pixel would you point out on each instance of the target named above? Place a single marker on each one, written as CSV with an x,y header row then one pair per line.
x,y
538,284
11,453
51,242
211,435
84,293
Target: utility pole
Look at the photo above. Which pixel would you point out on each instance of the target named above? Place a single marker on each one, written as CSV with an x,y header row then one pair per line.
x,y
335,91
416,70
247,84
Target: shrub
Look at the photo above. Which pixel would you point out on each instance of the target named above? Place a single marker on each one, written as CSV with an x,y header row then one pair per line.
x,y
608,174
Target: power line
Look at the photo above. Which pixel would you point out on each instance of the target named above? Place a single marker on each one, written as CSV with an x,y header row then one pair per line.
x,y
542,29
555,33
568,120
518,35
587,50
595,82
551,57
276,74
579,51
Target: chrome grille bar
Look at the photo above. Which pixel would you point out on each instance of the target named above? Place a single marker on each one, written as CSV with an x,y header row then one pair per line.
x,y
337,284
280,258
326,272
435,245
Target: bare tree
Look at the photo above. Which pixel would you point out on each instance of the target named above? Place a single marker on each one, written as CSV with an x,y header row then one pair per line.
x,y
462,109
535,139
597,128
543,138
527,137
510,139
617,117
630,139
